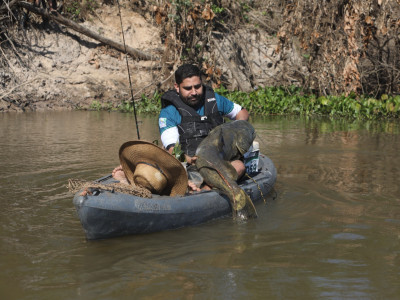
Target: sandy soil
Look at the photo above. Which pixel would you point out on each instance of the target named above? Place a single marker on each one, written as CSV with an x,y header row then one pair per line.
x,y
58,68
62,69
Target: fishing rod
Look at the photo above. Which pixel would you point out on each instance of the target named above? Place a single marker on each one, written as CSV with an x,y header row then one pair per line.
x,y
129,73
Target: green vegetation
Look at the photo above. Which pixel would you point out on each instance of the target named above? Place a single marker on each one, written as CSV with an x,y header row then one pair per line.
x,y
216,9
178,152
79,10
74,9
180,6
146,105
292,100
286,101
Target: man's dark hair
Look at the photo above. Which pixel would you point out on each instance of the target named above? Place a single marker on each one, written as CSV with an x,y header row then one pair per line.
x,y
186,71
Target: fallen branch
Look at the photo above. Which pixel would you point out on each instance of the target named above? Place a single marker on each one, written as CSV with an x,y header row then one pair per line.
x,y
79,28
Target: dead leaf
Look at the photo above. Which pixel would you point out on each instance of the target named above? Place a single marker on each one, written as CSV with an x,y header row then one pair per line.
x,y
189,21
158,17
207,13
315,34
281,35
194,16
215,85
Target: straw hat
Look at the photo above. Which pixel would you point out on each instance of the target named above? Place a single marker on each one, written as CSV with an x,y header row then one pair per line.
x,y
150,166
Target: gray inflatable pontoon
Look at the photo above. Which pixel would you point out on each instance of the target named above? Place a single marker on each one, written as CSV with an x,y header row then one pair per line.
x,y
106,214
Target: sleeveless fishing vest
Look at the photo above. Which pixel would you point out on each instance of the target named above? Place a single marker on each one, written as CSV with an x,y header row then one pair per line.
x,y
194,128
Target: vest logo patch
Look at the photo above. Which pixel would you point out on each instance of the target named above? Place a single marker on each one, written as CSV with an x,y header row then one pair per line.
x,y
210,99
162,122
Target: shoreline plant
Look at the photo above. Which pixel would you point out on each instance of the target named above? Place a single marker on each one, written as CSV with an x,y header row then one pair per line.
x,y
286,101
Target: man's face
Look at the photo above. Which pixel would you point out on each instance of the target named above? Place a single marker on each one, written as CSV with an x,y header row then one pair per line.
x,y
190,90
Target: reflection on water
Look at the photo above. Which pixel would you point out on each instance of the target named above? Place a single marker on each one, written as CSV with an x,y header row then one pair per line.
x,y
332,232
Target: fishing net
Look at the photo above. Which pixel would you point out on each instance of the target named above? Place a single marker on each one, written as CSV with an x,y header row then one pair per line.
x,y
75,185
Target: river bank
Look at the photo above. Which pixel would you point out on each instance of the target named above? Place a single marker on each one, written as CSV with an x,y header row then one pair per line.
x,y
57,68
253,47
60,69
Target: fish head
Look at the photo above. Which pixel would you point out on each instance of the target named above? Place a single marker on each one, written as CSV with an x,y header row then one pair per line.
x,y
245,135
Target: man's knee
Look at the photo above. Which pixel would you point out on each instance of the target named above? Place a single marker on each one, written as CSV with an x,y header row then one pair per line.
x,y
239,167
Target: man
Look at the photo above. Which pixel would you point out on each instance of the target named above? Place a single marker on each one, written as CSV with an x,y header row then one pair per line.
x,y
191,111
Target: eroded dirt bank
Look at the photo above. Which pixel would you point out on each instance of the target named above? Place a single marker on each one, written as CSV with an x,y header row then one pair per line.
x,y
333,48
59,68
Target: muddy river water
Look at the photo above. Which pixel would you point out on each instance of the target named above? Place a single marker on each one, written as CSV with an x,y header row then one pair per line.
x,y
330,230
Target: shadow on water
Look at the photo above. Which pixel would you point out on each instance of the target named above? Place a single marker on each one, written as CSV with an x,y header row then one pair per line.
x,y
332,232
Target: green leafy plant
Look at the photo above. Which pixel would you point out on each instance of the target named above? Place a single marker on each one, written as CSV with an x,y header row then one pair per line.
x,y
289,100
95,105
146,105
293,100
178,152
216,9
79,10
181,6
73,8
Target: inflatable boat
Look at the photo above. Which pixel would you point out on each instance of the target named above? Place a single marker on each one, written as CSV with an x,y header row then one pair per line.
x,y
105,214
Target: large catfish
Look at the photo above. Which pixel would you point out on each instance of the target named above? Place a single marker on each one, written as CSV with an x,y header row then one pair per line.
x,y
225,143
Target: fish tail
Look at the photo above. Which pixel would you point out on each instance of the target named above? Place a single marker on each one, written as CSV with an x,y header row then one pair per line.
x,y
243,207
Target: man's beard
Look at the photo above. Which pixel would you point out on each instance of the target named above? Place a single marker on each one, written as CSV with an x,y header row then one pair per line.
x,y
192,101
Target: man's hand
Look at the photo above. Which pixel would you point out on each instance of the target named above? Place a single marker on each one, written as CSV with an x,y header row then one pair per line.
x,y
190,159
193,187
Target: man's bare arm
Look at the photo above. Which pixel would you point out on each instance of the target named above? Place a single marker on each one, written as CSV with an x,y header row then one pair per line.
x,y
242,115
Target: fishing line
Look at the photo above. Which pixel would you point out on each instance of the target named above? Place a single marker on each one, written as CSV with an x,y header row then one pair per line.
x,y
129,73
